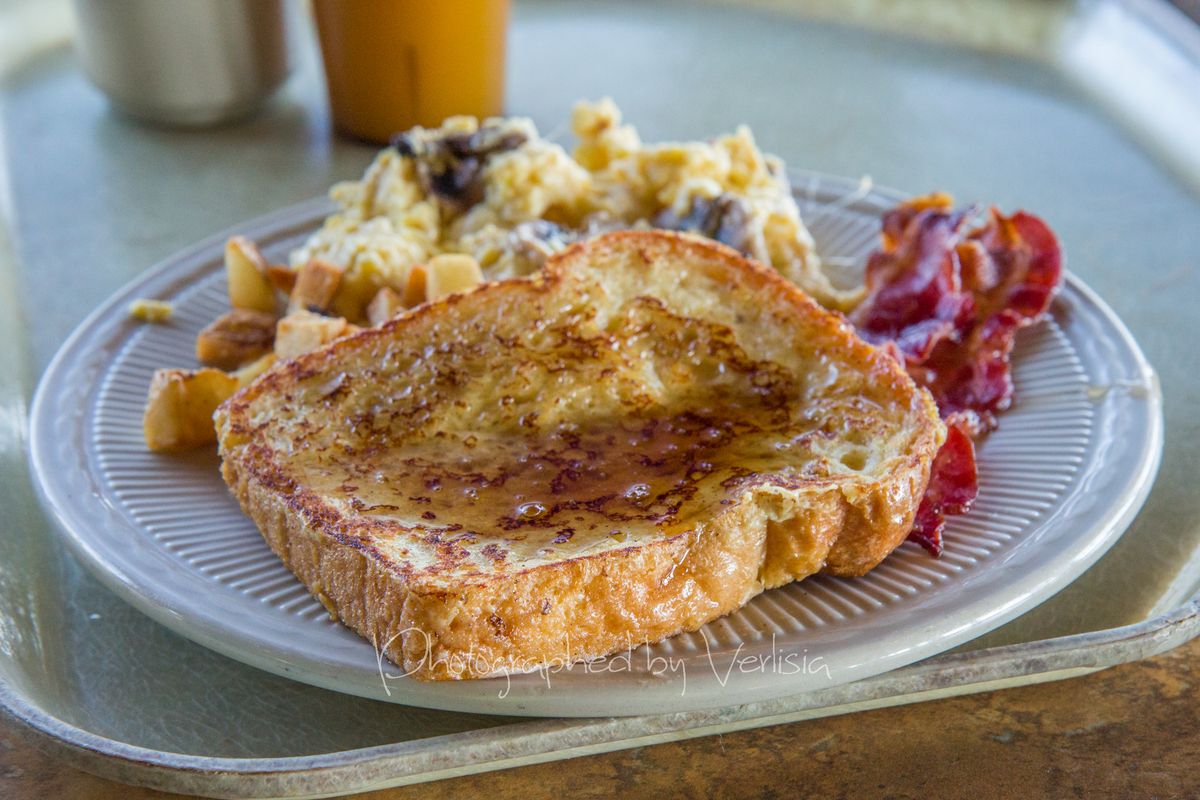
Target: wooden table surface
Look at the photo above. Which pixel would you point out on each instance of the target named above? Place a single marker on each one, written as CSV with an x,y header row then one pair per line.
x,y
1130,732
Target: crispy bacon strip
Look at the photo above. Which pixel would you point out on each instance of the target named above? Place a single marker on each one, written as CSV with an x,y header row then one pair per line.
x,y
953,485
948,303
914,282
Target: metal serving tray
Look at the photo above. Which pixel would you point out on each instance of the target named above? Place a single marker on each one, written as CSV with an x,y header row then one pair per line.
x,y
1084,112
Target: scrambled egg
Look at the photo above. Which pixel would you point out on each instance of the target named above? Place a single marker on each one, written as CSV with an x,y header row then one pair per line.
x,y
500,193
146,310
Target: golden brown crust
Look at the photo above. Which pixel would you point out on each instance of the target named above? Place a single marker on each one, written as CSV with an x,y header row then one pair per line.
x,y
451,620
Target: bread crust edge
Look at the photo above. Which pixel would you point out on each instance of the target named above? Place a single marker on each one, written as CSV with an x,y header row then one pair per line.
x,y
588,606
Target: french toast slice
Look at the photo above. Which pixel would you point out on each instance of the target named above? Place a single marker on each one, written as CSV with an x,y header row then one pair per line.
x,y
627,445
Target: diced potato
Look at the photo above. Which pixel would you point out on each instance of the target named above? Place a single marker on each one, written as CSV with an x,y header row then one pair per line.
x,y
282,277
236,338
246,272
147,310
451,272
180,406
360,284
414,289
303,331
316,284
386,304
247,374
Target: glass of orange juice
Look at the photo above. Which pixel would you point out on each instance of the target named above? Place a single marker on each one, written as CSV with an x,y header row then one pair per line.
x,y
392,64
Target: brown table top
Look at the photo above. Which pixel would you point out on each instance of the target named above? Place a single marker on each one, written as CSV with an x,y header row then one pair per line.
x,y
1130,731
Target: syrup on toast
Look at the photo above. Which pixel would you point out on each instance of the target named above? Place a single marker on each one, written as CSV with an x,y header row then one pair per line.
x,y
627,445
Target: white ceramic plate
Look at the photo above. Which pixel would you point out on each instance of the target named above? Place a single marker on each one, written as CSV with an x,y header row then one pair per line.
x,y
1059,482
